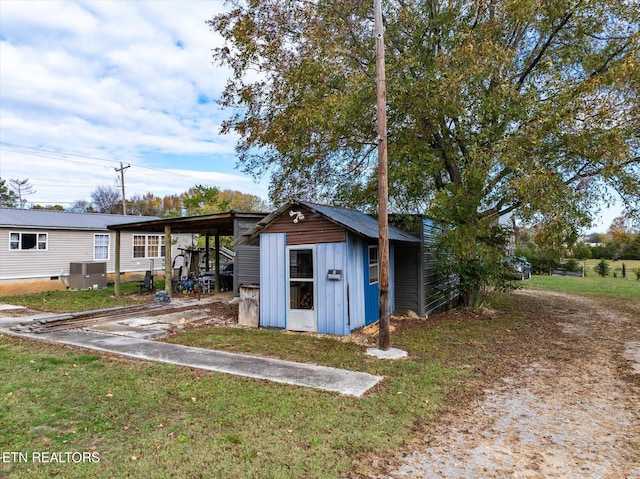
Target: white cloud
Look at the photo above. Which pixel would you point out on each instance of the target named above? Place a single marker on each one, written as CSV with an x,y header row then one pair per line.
x,y
115,80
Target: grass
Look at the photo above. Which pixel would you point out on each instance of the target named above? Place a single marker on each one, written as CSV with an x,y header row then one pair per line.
x,y
71,301
592,285
155,421
615,267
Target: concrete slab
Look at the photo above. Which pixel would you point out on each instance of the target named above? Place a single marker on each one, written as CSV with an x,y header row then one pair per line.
x,y
320,377
10,307
391,353
123,329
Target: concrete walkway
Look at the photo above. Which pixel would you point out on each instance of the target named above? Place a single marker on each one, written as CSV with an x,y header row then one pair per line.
x,y
330,379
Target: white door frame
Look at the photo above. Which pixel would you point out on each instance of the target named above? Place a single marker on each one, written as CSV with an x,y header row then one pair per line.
x,y
302,319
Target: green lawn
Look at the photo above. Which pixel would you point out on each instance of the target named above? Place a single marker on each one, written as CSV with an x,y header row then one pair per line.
x,y
615,267
156,421
71,301
593,285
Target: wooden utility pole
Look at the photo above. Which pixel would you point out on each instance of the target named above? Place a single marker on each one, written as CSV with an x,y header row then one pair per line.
x,y
121,170
383,188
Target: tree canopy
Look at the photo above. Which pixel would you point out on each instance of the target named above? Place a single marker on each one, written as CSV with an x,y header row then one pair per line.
x,y
8,198
494,107
107,199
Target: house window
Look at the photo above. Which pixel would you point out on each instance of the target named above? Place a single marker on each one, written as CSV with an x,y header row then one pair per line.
x,y
139,246
28,241
148,246
373,264
100,246
153,247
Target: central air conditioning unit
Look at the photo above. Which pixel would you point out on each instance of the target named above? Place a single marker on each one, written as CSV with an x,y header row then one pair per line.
x,y
88,275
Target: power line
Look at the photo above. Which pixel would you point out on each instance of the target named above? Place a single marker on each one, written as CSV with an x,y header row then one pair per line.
x,y
62,156
166,173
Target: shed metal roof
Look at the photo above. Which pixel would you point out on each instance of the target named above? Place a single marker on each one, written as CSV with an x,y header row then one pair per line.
x,y
19,218
355,221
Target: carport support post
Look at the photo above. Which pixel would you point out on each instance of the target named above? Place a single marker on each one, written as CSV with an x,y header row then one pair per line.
x,y
116,271
217,275
168,260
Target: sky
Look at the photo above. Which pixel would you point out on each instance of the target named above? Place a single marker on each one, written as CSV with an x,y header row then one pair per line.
x,y
86,85
89,86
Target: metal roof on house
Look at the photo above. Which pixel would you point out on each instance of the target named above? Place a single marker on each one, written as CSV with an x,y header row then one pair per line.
x,y
19,218
355,221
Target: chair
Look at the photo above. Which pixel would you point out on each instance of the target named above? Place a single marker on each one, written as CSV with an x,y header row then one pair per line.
x,y
147,283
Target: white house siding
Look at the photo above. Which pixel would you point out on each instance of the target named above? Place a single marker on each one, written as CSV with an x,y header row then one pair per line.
x,y
69,246
273,278
332,294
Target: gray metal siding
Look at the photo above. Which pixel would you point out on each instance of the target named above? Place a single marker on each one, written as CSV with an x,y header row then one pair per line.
x,y
434,296
407,277
242,225
247,266
273,277
333,315
392,277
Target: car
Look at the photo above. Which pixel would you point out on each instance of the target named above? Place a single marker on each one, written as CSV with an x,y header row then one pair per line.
x,y
521,267
226,277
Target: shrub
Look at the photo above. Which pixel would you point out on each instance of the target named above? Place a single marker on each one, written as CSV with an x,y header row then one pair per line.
x,y
602,268
543,264
573,266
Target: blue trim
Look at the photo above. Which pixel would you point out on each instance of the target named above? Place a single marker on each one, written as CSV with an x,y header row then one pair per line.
x,y
371,292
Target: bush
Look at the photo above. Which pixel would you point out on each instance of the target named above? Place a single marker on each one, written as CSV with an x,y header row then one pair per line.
x,y
602,268
542,264
582,251
573,266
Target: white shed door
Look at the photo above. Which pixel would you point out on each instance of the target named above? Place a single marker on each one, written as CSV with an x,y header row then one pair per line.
x,y
301,293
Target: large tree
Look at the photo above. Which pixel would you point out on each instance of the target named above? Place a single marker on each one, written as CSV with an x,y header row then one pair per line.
x,y
22,188
494,107
107,199
8,198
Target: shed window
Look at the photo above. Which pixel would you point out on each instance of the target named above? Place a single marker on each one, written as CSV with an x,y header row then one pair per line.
x,y
373,264
100,246
28,241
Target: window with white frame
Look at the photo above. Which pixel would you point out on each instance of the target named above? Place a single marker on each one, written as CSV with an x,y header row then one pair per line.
x,y
22,241
100,246
148,246
373,264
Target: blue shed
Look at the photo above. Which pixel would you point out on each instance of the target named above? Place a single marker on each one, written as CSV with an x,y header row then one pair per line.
x,y
319,267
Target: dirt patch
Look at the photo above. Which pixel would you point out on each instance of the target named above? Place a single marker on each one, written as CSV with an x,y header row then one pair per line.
x,y
218,313
568,408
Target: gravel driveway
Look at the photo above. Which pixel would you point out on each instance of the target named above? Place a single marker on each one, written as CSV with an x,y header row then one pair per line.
x,y
572,412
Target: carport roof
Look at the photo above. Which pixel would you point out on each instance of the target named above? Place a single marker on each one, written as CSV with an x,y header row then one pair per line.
x,y
217,223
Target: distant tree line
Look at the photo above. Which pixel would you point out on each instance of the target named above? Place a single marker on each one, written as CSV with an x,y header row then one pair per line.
x,y
610,249
197,200
621,242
